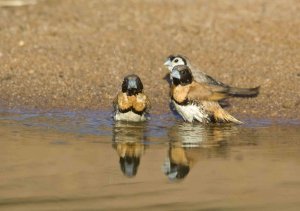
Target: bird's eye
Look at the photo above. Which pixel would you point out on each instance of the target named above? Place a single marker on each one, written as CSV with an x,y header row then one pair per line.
x,y
176,60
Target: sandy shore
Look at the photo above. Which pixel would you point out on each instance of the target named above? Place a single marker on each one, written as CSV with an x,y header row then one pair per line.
x,y
74,54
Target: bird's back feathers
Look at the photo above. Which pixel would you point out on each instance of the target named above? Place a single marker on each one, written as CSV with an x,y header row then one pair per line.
x,y
199,76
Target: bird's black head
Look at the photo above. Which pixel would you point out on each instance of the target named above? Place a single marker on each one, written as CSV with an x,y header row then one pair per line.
x,y
177,171
132,85
182,75
129,165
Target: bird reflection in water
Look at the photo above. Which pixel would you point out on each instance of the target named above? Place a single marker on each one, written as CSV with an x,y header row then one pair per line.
x,y
128,141
190,142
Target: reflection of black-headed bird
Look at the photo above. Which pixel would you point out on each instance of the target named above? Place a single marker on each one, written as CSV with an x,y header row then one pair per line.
x,y
177,165
189,143
175,60
198,101
131,104
128,140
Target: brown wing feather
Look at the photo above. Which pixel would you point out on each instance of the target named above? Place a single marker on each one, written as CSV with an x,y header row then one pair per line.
x,y
219,114
202,91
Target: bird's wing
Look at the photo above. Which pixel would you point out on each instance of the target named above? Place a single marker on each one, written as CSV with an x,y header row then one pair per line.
x,y
202,77
203,91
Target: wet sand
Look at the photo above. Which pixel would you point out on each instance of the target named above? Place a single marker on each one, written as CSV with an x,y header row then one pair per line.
x,y
74,54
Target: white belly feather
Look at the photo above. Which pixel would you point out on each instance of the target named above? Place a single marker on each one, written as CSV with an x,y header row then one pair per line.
x,y
191,112
129,116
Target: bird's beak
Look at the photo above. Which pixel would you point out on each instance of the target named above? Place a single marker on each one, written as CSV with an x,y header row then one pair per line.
x,y
168,63
175,74
132,84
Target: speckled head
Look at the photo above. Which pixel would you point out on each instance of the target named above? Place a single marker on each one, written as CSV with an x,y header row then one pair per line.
x,y
132,85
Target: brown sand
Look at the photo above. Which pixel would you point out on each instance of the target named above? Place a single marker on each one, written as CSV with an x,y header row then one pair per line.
x,y
74,54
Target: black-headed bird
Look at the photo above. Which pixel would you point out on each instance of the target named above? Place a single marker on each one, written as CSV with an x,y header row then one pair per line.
x,y
192,143
131,104
129,142
198,101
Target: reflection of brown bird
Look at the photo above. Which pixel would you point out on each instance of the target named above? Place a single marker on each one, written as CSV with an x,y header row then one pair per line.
x,y
201,135
131,104
198,101
175,60
192,142
128,140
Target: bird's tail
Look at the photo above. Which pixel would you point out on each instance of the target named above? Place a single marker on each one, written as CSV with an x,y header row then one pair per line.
x,y
221,115
243,92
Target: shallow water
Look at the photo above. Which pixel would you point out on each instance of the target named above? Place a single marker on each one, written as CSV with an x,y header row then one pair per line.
x,y
83,161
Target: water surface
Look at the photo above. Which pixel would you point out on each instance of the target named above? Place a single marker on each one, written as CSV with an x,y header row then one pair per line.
x,y
84,161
